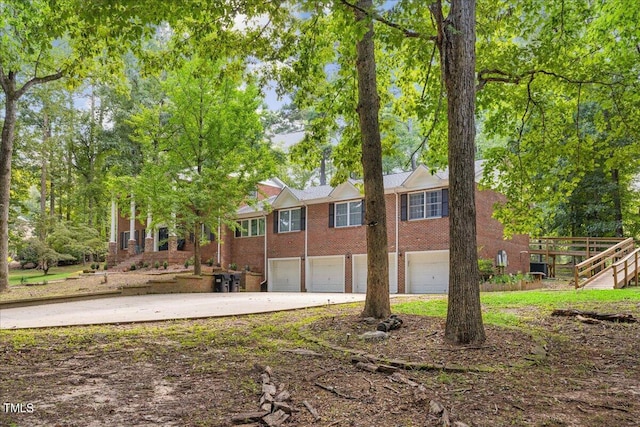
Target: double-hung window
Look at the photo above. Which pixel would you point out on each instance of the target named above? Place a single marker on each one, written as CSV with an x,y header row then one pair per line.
x,y
251,227
348,214
289,220
425,204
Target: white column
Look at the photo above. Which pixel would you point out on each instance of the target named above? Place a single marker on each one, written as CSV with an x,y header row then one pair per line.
x,y
114,221
149,222
132,220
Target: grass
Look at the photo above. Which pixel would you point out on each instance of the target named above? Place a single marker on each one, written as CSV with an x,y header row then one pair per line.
x,y
496,306
19,277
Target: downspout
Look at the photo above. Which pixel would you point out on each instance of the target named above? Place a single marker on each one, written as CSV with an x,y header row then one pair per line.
x,y
219,245
306,248
397,242
266,262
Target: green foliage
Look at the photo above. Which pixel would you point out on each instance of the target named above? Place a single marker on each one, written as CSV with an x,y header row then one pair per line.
x,y
42,255
485,265
78,241
205,148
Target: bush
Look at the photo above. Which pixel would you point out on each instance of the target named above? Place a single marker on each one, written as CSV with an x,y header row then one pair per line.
x,y
133,267
156,264
105,267
485,265
165,265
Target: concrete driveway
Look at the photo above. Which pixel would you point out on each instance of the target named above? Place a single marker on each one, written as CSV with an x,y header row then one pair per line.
x,y
147,308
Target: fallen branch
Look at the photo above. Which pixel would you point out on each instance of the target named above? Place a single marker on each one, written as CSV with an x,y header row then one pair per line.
x,y
333,390
616,317
312,410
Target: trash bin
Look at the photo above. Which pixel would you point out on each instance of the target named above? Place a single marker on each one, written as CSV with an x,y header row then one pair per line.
x,y
234,283
539,267
221,282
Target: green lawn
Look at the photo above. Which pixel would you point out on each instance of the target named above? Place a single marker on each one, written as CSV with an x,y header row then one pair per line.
x,y
17,277
499,307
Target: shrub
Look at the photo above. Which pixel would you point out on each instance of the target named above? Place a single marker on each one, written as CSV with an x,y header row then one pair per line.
x,y
133,267
165,265
106,266
156,264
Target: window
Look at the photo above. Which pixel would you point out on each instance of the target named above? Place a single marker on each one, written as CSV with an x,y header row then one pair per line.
x,y
348,214
251,227
124,243
426,204
290,220
287,220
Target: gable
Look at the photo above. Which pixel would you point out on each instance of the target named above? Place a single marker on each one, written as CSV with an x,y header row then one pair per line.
x,y
421,178
345,191
286,199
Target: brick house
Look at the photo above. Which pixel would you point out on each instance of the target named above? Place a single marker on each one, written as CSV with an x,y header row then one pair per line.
x,y
313,240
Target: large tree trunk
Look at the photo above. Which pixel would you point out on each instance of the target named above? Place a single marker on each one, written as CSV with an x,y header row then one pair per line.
x,y
6,151
377,302
456,41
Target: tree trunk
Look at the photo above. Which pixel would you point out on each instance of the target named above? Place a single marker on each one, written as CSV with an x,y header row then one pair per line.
x,y
46,133
6,151
456,41
377,301
617,203
11,97
197,264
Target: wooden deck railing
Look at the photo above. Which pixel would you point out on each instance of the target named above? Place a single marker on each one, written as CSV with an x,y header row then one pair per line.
x,y
572,246
626,270
598,264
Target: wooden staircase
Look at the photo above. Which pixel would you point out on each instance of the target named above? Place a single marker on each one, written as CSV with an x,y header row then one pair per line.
x,y
614,268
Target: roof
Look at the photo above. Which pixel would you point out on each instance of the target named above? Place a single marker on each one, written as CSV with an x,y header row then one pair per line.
x,y
419,179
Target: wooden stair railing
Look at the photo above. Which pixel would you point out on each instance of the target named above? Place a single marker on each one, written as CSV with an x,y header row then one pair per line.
x,y
626,270
588,270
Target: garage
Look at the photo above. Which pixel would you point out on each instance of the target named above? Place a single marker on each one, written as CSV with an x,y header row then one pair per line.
x,y
284,275
360,274
326,274
427,272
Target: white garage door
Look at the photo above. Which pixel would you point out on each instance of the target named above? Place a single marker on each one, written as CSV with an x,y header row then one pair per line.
x,y
284,275
360,274
326,274
428,272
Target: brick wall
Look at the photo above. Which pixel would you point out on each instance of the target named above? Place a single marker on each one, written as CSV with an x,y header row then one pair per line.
x,y
490,234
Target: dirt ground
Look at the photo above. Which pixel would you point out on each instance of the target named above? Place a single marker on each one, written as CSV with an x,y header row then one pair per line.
x,y
551,372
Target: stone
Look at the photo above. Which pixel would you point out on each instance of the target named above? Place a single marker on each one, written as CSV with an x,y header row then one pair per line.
x,y
374,336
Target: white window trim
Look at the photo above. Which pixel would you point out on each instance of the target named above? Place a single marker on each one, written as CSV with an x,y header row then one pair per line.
x,y
425,205
348,203
247,230
280,230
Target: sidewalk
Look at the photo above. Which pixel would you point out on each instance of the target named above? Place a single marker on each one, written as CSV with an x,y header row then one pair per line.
x,y
146,308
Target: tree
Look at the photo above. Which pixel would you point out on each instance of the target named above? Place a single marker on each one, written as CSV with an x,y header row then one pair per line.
x,y
42,41
205,146
27,60
377,302
456,43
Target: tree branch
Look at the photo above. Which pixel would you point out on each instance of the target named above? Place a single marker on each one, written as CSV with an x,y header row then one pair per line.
x,y
486,76
37,81
407,32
